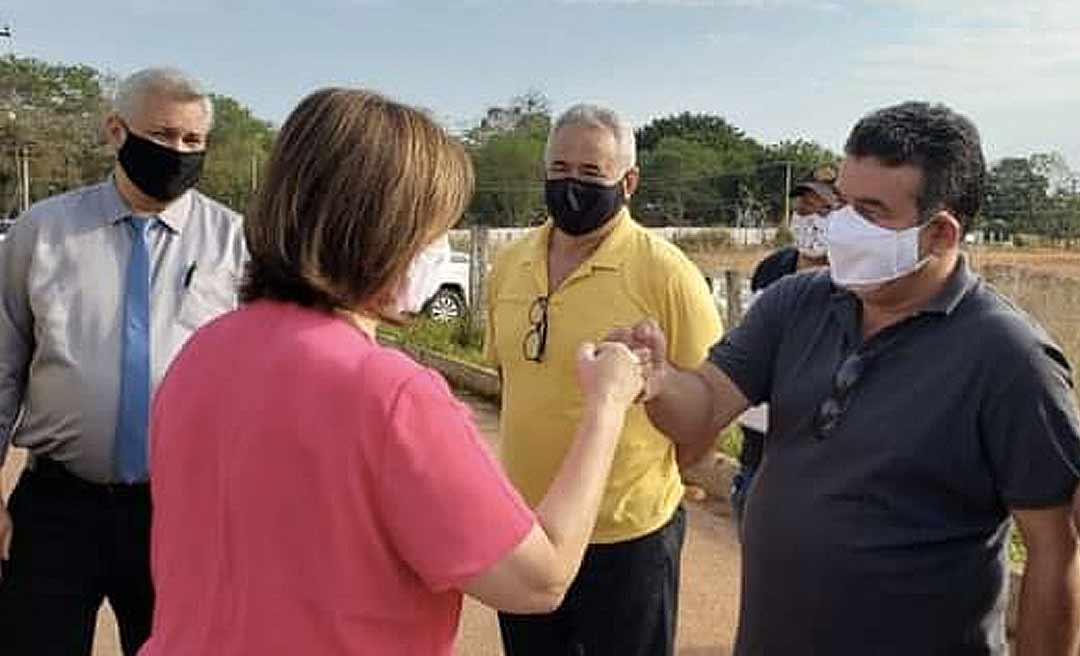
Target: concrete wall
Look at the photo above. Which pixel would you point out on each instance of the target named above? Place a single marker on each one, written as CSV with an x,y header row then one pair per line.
x,y
737,236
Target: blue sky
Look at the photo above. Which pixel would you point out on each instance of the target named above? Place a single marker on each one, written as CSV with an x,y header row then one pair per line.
x,y
776,68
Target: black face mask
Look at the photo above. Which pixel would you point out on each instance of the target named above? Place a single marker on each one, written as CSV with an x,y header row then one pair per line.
x,y
159,172
579,207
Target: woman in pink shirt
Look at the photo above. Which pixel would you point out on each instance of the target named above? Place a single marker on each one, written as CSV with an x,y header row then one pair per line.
x,y
316,493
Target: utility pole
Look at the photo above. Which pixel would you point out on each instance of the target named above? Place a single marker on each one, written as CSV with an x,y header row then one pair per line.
x,y
478,257
22,169
18,167
786,221
254,170
25,177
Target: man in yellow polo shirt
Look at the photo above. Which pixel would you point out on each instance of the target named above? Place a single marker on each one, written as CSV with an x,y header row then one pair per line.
x,y
591,268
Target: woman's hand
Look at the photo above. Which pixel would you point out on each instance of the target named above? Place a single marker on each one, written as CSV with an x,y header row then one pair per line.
x,y
609,372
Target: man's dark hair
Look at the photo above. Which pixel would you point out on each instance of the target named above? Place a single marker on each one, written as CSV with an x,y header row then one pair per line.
x,y
941,143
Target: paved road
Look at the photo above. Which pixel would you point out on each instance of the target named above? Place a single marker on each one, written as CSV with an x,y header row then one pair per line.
x,y
710,579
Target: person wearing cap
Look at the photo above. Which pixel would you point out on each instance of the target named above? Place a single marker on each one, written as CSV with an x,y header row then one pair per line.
x,y
814,200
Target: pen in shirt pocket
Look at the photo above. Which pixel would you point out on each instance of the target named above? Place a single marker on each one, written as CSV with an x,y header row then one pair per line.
x,y
189,275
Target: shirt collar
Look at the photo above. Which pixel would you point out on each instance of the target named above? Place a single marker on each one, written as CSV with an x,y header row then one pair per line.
x,y
959,283
609,255
115,209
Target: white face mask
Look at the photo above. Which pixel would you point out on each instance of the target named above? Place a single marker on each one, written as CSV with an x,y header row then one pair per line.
x,y
424,276
864,256
809,232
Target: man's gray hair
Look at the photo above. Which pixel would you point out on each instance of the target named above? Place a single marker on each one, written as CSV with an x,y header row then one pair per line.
x,y
170,83
600,117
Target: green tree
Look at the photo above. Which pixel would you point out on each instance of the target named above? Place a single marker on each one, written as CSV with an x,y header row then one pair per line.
x,y
737,180
1037,194
55,112
1061,216
509,179
507,149
1017,195
680,181
1054,168
803,157
239,145
706,129
698,178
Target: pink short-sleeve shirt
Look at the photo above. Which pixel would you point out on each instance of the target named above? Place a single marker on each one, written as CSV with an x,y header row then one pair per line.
x,y
315,493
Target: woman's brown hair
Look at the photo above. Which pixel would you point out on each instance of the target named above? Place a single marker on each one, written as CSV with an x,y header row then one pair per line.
x,y
355,187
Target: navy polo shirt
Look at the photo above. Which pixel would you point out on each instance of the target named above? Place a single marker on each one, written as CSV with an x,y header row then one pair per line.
x,y
886,533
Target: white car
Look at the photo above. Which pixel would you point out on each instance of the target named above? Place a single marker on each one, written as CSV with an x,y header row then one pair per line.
x,y
451,301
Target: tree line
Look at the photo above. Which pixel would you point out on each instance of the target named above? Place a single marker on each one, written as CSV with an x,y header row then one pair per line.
x,y
696,168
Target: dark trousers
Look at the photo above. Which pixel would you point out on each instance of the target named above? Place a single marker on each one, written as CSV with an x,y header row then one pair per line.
x,y
624,601
74,545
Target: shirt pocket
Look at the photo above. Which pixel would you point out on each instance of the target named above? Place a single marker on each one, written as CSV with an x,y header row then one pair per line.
x,y
208,295
511,315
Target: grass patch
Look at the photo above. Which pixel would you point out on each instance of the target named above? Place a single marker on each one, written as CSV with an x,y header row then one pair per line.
x,y
730,442
1051,298
1017,550
454,339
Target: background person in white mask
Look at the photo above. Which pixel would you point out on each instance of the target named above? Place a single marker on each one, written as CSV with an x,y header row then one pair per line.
x,y
814,200
913,413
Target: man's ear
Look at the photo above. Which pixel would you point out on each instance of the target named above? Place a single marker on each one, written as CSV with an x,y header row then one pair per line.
x,y
944,232
631,180
115,131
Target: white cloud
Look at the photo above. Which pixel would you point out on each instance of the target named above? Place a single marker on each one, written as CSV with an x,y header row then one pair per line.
x,y
993,50
1029,14
985,62
1013,65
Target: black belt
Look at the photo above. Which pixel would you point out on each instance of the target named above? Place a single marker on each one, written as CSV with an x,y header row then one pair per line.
x,y
47,469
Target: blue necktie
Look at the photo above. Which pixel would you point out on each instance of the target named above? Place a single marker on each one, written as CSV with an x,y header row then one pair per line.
x,y
133,422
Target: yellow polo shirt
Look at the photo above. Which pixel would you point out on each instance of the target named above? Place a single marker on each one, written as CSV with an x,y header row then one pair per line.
x,y
633,275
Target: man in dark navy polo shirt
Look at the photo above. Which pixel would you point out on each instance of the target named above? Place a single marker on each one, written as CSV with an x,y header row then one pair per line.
x,y
912,412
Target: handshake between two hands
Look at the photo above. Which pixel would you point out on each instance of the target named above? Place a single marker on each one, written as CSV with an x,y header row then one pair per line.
x,y
628,367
